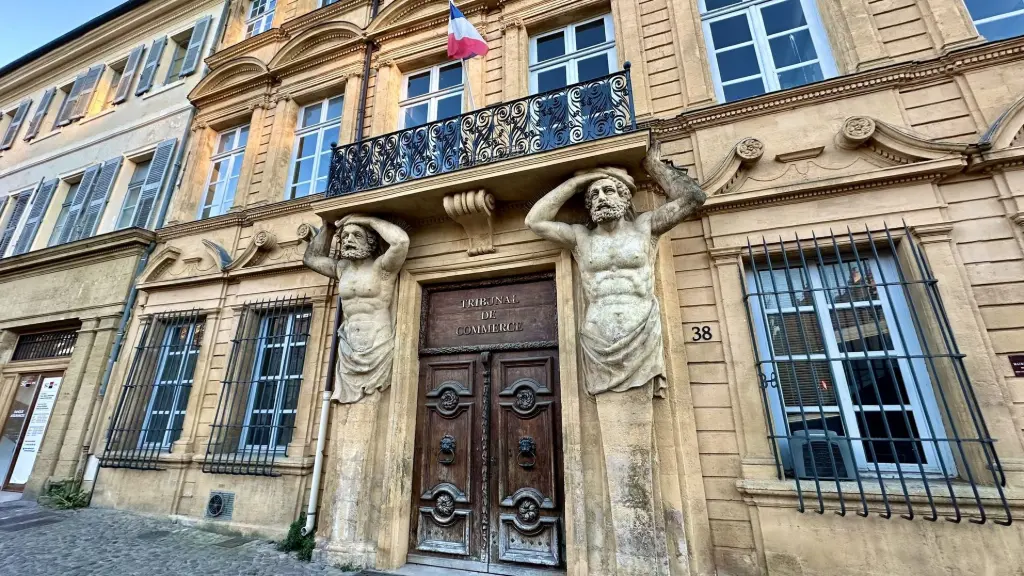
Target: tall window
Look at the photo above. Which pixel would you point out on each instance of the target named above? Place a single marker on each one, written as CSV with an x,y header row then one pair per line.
x,y
62,218
227,165
432,94
319,126
176,367
576,53
131,198
277,374
261,15
758,46
837,340
116,71
179,47
997,19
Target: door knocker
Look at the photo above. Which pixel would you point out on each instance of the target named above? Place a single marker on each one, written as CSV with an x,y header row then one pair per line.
x,y
447,454
527,452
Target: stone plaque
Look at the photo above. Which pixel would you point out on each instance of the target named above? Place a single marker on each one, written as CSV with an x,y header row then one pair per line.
x,y
489,313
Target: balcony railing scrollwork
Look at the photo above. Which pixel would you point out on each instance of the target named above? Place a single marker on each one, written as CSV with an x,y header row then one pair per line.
x,y
542,122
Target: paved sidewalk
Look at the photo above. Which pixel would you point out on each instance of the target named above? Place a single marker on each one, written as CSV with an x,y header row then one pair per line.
x,y
37,541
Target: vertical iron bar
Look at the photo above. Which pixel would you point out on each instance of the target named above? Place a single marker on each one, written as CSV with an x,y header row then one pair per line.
x,y
627,67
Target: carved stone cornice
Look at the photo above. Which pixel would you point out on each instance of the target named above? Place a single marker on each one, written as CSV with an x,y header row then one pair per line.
x,y
842,87
327,13
159,264
896,145
731,170
933,233
242,217
72,254
474,211
247,46
1018,219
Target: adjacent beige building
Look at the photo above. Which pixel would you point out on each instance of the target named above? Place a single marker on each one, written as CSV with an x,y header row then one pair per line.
x,y
94,127
843,324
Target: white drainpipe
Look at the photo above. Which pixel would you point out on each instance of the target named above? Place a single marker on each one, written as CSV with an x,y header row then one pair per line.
x,y
318,464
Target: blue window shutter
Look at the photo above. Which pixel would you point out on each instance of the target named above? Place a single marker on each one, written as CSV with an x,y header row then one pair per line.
x,y
97,201
40,203
16,122
159,167
67,233
124,85
195,47
16,212
149,70
41,110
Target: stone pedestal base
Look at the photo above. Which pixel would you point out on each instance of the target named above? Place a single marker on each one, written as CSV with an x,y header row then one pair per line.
x,y
627,424
349,538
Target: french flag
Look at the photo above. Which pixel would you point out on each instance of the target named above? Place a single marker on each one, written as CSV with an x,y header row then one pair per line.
x,y
463,40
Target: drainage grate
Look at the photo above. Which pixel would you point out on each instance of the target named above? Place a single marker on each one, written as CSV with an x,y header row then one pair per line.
x,y
221,505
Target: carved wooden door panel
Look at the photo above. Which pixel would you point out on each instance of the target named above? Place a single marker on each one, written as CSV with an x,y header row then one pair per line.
x,y
448,500
526,506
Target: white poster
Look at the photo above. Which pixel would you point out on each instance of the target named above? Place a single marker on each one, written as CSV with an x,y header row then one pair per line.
x,y
35,431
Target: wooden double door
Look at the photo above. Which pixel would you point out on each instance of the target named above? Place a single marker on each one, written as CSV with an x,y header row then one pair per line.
x,y
487,488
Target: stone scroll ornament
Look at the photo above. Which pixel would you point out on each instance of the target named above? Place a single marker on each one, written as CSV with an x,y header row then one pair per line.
x,y
620,334
366,272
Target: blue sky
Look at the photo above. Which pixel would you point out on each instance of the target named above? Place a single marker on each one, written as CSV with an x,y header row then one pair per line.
x,y
29,24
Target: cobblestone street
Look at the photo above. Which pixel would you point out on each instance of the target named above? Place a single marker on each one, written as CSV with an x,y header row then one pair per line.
x,y
38,541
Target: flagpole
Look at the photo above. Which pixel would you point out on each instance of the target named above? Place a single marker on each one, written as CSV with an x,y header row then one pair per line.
x,y
469,85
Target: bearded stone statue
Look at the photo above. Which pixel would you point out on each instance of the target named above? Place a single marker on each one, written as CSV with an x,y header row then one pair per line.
x,y
366,286
620,334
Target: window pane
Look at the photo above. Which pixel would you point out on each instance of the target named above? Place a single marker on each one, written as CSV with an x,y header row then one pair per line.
x,y
128,211
782,289
590,34
783,16
243,137
227,142
730,32
1005,28
550,46
594,67
809,382
738,63
311,115
139,174
307,146
865,376
849,283
216,174
981,9
793,48
795,333
259,429
304,171
716,4
157,427
812,420
284,430
450,75
169,373
551,79
300,190
330,137
800,76
296,356
901,449
415,115
334,106
418,85
450,106
862,329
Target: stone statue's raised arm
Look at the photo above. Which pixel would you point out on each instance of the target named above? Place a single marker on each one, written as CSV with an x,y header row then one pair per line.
x,y
398,241
317,256
541,218
684,193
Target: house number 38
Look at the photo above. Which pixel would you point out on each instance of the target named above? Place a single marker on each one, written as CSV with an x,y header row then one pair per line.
x,y
701,333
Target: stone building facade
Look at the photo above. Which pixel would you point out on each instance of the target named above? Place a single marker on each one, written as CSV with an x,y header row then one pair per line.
x,y
840,325
93,128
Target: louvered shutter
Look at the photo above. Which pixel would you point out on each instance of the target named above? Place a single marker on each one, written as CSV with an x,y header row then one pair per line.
x,y
68,106
101,187
124,85
19,208
67,233
35,215
89,83
159,166
37,118
195,47
149,70
12,130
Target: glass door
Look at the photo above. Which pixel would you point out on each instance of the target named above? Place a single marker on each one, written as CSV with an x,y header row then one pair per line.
x,y
13,431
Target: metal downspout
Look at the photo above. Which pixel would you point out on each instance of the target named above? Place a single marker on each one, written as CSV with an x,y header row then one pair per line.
x,y
161,215
332,361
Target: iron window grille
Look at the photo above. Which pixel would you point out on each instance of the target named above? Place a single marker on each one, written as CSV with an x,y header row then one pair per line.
x,y
255,414
862,380
577,113
59,344
150,412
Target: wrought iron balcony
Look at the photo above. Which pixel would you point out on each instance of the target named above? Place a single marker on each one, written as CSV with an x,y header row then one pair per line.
x,y
578,113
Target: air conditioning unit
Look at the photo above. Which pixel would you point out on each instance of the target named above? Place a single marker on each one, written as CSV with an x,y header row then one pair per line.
x,y
810,450
220,505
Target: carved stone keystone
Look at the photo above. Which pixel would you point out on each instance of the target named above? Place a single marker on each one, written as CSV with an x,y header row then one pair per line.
x,y
474,211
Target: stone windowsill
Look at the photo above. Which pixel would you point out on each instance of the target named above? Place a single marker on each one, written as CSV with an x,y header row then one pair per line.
x,y
100,114
164,88
51,134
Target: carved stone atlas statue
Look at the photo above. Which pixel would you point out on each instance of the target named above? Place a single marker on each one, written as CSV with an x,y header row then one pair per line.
x,y
620,334
366,285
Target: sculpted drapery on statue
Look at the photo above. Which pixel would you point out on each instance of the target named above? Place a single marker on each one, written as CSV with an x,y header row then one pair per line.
x,y
366,285
621,330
